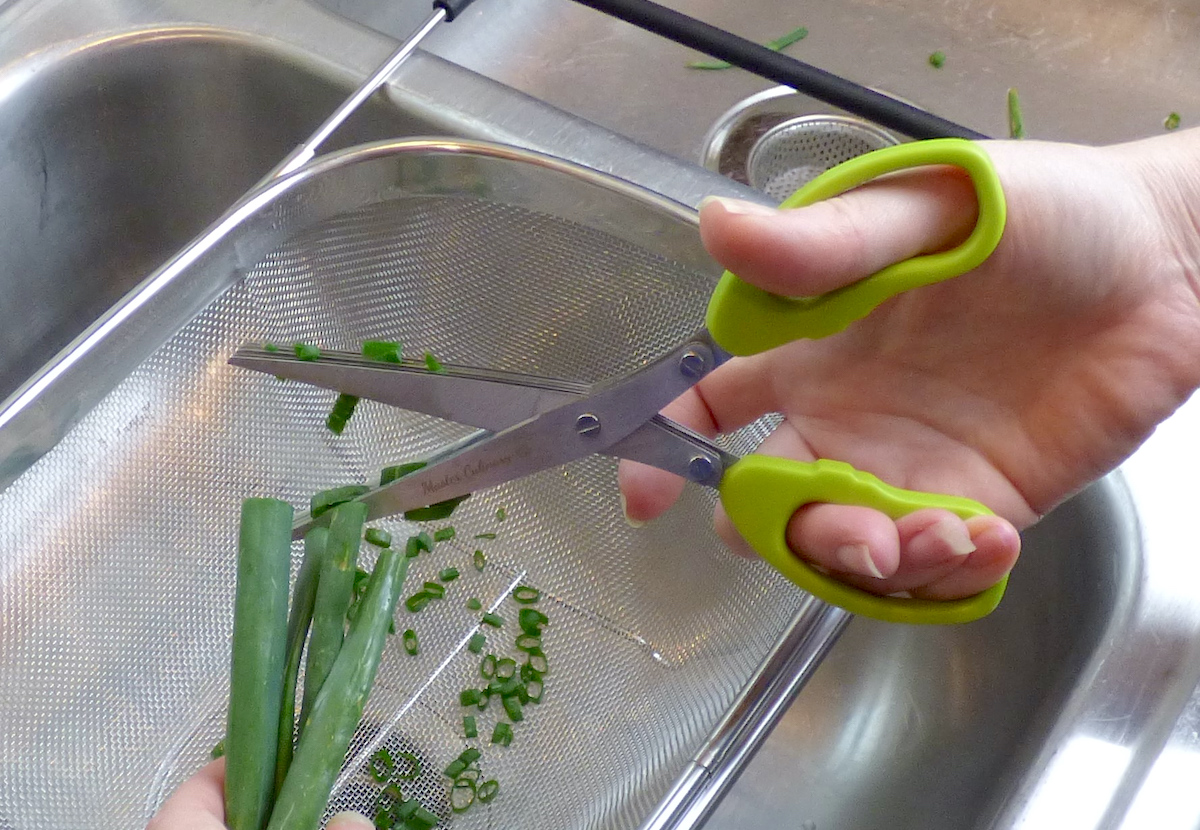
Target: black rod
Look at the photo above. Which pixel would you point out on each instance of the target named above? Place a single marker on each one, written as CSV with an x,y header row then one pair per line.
x,y
746,54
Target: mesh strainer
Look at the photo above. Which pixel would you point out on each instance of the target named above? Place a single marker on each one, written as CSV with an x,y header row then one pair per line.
x,y
118,566
793,153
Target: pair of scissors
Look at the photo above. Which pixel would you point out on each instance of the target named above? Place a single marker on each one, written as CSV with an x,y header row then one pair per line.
x,y
527,424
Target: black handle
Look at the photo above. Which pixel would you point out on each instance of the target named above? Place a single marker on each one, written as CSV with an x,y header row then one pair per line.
x,y
452,8
803,77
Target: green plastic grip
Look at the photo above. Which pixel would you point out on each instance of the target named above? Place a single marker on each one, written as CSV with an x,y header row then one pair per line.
x,y
760,493
746,320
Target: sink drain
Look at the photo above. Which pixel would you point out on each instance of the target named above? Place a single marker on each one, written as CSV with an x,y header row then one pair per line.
x,y
795,152
777,140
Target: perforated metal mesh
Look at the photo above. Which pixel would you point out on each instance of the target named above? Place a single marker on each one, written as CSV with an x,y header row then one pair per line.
x,y
117,571
794,153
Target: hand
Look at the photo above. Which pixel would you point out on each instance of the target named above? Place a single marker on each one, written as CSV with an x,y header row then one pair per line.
x,y
1016,384
199,804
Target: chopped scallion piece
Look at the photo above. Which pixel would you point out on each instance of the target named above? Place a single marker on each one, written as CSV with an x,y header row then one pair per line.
x,y
529,673
1171,122
448,574
533,691
433,364
526,595
476,643
417,601
474,603
422,819
470,730
505,668
343,410
488,789
326,500
537,661
485,535
501,514
462,795
414,766
435,512
444,534
775,45
503,687
502,734
487,667
469,697
480,560
385,350
218,750
381,765
406,809
435,589
528,642
270,347
389,474
421,542
306,351
493,619
1016,121
531,621
410,642
937,60
512,708
378,538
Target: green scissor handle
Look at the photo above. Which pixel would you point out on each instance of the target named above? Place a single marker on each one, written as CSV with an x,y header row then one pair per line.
x,y
761,493
746,320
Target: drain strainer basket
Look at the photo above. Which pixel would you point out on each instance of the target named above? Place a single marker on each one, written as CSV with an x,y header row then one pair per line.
x,y
795,152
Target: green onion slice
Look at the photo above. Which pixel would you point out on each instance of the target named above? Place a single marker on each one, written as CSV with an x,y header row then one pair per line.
x,y
526,594
476,643
470,730
462,795
410,642
306,351
488,789
480,560
493,619
448,574
502,734
377,537
385,350
528,642
487,666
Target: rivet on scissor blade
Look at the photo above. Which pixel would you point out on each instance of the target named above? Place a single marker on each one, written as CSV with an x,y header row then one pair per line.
x,y
701,469
692,364
587,424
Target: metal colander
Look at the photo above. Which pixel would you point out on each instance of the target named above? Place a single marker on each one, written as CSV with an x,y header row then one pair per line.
x,y
117,571
793,153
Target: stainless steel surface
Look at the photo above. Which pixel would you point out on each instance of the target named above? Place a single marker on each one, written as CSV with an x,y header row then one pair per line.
x,y
1055,712
1052,713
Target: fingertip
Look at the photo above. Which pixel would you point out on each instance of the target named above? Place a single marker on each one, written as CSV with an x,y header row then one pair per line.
x,y
646,492
347,820
846,539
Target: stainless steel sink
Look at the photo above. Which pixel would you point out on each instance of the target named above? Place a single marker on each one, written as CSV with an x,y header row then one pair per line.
x,y
127,127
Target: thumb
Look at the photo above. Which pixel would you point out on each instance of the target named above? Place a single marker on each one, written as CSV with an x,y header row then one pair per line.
x,y
350,821
829,244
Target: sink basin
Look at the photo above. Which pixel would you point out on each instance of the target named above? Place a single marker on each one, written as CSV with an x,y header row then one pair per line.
x,y
127,131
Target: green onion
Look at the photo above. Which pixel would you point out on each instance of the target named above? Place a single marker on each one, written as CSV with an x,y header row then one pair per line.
x,y
937,60
469,697
389,474
501,514
503,687
459,765
406,809
305,351
480,560
218,750
1171,122
776,45
488,789
326,500
462,795
533,691
343,410
504,668
443,534
385,350
417,601
528,642
531,621
526,595
474,603
512,707
433,364
378,538
487,667
410,642
470,730
485,535
414,766
537,661
476,643
381,765
1016,122
502,734
422,819
435,589
529,674
421,542
493,619
435,512
270,347
448,574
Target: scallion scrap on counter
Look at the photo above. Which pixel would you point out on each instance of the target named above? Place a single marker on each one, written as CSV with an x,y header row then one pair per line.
x,y
433,364
1016,121
462,795
476,643
474,603
776,45
479,560
444,534
416,544
1171,122
493,619
378,538
448,574
411,645
526,595
937,59
470,730
306,351
502,734
343,410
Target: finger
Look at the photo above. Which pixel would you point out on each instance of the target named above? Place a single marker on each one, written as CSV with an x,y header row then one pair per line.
x,y
348,820
646,492
997,547
815,249
198,803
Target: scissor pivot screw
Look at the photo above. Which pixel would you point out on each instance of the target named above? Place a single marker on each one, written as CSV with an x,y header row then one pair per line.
x,y
587,424
701,469
692,364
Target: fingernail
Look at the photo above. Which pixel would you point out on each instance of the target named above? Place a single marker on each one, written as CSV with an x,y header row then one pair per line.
x,y
739,207
954,534
856,558
348,820
634,523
